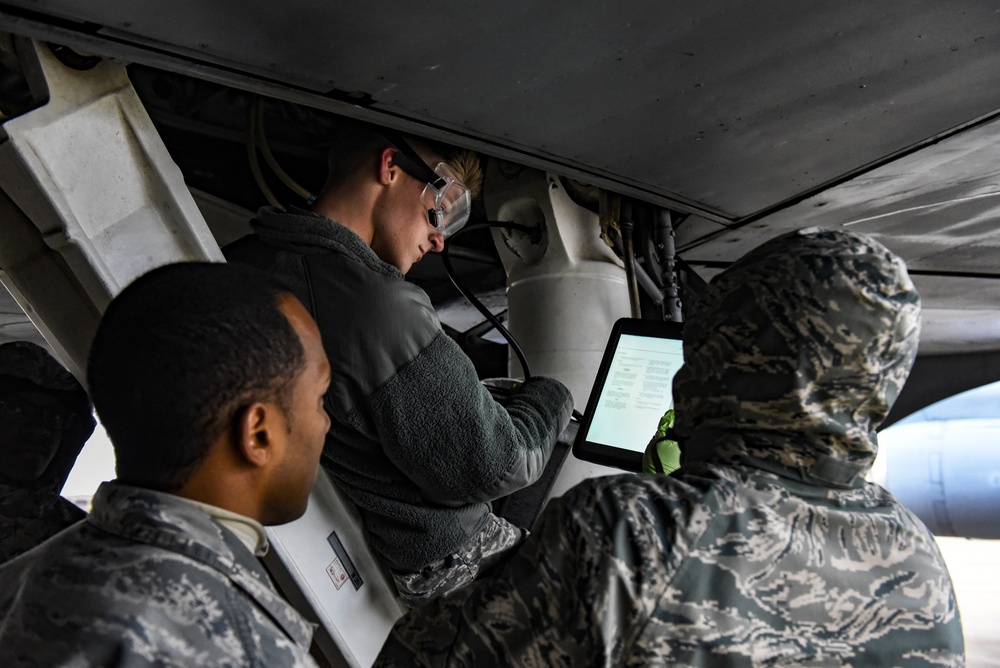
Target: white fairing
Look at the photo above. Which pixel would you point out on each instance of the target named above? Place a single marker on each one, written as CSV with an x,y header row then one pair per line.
x,y
355,621
93,197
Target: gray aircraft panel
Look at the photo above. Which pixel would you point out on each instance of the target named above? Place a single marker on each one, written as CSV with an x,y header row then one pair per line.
x,y
733,105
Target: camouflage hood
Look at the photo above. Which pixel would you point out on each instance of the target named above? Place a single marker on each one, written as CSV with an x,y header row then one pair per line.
x,y
23,363
794,356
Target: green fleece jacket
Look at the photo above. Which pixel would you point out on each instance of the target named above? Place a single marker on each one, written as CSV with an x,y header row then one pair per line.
x,y
417,442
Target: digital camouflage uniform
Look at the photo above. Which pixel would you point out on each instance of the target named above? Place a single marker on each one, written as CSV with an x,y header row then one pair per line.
x,y
148,579
767,547
30,513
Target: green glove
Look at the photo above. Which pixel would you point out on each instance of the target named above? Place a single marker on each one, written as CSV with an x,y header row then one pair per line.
x,y
662,455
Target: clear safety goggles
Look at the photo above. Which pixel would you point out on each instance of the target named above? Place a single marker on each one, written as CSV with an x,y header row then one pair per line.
x,y
446,197
447,200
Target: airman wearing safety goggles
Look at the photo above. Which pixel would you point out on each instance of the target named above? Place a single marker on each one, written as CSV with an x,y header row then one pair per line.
x,y
445,196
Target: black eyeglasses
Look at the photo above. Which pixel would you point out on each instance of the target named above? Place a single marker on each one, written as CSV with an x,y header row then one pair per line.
x,y
21,412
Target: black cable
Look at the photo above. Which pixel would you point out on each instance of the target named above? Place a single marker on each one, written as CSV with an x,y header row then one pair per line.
x,y
450,270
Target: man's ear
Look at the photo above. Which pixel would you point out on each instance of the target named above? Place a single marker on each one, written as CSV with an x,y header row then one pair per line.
x,y
386,166
256,431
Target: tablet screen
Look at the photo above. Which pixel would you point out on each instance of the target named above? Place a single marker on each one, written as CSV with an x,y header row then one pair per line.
x,y
632,391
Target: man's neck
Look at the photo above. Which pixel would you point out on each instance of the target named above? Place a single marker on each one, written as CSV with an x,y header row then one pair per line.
x,y
353,214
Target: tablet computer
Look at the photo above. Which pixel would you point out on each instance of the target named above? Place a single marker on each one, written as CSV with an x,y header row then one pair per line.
x,y
632,391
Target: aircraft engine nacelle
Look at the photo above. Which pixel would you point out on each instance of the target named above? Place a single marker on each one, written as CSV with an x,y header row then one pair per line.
x,y
947,472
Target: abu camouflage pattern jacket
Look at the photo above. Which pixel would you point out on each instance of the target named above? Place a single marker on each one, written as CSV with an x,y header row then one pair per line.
x,y
32,512
768,547
147,580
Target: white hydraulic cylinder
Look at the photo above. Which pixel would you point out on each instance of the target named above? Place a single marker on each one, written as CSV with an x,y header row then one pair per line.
x,y
565,287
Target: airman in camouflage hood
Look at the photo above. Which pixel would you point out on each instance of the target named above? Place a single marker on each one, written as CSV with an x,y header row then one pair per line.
x,y
25,366
804,347
46,419
767,547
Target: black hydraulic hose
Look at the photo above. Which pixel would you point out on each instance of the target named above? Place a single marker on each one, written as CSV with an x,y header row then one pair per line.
x,y
450,270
